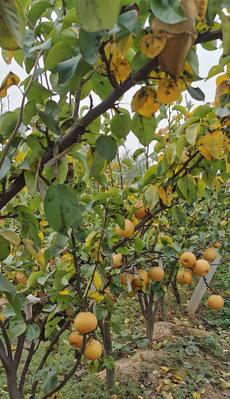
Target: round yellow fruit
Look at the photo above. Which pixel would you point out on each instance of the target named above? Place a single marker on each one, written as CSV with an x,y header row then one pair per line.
x,y
188,259
124,277
117,259
137,283
202,267
85,322
217,245
128,230
75,339
215,302
143,276
210,254
156,273
184,277
140,211
21,278
93,350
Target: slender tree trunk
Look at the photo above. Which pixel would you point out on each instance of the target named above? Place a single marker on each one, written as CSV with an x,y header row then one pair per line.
x,y
108,349
13,389
150,316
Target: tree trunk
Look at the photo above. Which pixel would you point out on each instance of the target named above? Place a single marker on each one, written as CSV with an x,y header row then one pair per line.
x,y
13,390
150,317
149,330
108,350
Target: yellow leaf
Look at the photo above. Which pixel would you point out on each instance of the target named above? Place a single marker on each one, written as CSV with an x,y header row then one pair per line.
x,y
35,252
165,369
151,45
196,395
165,195
120,68
10,80
67,258
168,91
64,292
96,296
124,44
224,384
144,102
41,235
211,146
90,237
202,6
97,280
43,223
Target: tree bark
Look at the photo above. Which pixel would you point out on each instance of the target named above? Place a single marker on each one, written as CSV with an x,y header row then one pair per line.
x,y
13,389
108,350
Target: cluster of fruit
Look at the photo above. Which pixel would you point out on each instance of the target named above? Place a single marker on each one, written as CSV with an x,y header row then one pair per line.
x,y
200,267
86,323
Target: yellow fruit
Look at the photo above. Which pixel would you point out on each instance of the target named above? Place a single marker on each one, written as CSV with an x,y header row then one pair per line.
x,y
215,302
151,45
156,273
117,259
184,276
2,318
210,254
124,277
217,245
145,102
137,283
140,211
128,231
168,91
188,259
75,339
201,268
143,276
85,322
93,350
21,278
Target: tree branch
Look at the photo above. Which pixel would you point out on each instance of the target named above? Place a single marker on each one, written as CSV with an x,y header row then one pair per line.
x,y
6,339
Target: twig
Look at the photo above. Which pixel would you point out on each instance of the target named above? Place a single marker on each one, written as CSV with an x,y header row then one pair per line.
x,y
6,339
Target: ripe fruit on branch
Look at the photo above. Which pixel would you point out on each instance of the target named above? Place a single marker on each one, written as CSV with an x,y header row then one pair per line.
x,y
93,350
140,211
184,277
117,259
85,322
156,273
143,276
210,254
75,339
188,259
21,278
137,283
128,230
126,276
215,302
202,267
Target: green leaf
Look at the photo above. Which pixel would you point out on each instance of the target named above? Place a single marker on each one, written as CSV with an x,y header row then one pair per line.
x,y
188,188
50,122
32,332
10,236
62,208
95,15
33,277
59,52
128,20
12,24
109,362
138,244
8,122
167,11
38,93
97,165
149,175
106,147
152,197
66,69
37,9
180,144
191,133
50,381
89,44
16,328
29,224
5,168
143,128
120,125
4,248
5,285
196,93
